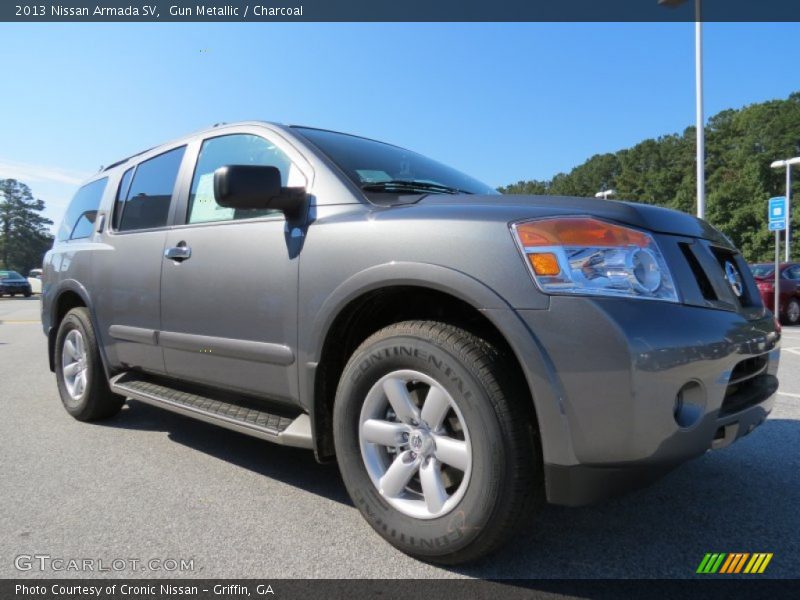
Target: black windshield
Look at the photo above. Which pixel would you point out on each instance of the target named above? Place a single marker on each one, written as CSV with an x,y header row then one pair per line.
x,y
378,167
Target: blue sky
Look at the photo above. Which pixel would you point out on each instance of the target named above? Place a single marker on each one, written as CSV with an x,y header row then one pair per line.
x,y
502,102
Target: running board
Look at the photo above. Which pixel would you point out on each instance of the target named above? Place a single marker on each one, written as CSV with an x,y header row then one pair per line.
x,y
237,415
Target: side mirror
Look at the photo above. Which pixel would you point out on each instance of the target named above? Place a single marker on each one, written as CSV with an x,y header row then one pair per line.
x,y
256,187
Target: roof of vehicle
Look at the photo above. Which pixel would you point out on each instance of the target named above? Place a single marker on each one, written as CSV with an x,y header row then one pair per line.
x,y
218,126
361,137
186,138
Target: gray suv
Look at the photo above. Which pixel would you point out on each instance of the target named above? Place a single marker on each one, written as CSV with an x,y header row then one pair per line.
x,y
461,354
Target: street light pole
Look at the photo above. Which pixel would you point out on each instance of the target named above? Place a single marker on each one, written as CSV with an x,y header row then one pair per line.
x,y
776,288
604,194
780,164
788,243
699,117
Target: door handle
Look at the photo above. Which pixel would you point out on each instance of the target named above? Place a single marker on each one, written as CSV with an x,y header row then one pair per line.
x,y
178,253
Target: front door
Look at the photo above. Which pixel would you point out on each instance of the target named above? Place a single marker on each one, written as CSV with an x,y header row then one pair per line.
x,y
229,280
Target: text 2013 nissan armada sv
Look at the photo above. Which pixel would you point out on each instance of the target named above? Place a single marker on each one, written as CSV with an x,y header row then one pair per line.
x,y
460,353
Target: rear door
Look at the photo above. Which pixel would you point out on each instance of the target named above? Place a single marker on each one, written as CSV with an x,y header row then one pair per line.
x,y
127,272
229,286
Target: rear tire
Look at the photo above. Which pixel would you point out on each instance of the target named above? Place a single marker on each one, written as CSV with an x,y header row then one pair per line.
x,y
475,463
80,375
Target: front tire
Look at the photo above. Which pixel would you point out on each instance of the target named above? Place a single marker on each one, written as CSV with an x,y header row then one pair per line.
x,y
81,379
436,441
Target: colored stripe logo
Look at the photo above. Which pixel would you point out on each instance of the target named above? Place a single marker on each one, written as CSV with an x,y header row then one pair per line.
x,y
734,562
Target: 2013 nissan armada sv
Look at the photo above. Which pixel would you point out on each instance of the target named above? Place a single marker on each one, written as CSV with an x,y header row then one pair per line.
x,y
461,354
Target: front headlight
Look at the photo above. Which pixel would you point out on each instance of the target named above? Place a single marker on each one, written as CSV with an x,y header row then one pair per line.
x,y
584,255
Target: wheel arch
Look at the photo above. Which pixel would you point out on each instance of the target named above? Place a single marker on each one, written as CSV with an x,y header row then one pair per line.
x,y
69,294
389,293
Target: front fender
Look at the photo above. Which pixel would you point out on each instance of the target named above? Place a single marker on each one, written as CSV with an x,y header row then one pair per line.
x,y
538,369
427,275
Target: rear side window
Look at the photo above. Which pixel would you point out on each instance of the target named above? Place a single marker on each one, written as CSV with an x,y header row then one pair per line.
x,y
78,222
146,204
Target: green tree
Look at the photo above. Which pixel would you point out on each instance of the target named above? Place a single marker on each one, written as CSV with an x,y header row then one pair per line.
x,y
740,144
24,235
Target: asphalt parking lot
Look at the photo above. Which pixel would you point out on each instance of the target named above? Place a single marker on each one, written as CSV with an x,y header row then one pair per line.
x,y
148,484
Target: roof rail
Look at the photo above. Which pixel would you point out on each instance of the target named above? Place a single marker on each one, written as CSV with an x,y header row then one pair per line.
x,y
124,160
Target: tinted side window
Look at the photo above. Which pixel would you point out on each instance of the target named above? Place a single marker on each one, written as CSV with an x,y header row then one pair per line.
x,y
82,211
147,202
793,273
237,149
122,193
85,225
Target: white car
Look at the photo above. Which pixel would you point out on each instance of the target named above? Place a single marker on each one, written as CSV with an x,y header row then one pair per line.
x,y
35,279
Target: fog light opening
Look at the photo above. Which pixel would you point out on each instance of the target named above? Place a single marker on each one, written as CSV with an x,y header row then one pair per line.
x,y
690,403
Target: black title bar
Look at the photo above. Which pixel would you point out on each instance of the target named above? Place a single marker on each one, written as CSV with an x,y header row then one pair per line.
x,y
397,10
395,589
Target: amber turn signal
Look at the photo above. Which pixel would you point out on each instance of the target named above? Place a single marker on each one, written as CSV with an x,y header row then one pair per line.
x,y
544,263
578,231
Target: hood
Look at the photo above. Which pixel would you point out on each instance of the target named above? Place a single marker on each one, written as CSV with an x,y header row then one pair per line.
x,y
642,216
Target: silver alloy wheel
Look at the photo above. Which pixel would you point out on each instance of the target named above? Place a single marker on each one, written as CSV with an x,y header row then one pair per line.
x,y
415,444
793,311
74,364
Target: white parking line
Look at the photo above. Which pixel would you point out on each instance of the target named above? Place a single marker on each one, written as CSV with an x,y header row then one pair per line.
x,y
789,394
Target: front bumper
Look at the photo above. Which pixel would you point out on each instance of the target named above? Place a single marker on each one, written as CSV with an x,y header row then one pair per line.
x,y
15,289
618,368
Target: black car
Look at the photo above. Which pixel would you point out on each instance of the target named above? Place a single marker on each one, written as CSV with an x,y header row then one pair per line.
x,y
12,283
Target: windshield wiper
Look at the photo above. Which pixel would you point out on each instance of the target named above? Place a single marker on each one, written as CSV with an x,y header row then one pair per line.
x,y
403,185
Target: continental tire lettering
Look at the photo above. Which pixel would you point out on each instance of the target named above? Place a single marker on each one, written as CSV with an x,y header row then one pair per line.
x,y
441,541
435,362
365,364
398,351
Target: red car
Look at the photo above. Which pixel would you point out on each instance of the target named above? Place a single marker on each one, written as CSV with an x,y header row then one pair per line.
x,y
789,298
